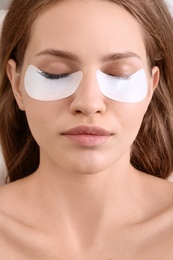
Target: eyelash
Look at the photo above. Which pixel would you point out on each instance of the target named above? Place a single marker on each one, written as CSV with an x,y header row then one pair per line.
x,y
121,77
53,76
62,76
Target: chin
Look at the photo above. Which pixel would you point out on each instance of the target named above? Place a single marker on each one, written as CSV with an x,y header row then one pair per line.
x,y
90,167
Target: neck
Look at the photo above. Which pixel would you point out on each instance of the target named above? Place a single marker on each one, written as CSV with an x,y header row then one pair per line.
x,y
89,201
90,192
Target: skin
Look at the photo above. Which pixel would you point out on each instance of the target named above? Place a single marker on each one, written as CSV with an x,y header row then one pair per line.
x,y
85,201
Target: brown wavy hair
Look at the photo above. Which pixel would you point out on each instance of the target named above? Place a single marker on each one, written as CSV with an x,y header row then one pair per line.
x,y
152,151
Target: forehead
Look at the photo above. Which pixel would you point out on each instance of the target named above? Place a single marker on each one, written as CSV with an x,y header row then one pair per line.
x,y
88,28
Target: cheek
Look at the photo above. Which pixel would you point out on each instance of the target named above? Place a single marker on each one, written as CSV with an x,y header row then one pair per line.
x,y
130,117
39,118
45,119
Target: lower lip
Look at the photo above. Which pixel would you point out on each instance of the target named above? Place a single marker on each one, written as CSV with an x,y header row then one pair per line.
x,y
88,140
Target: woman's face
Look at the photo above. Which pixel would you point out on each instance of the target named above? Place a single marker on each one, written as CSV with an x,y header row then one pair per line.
x,y
87,131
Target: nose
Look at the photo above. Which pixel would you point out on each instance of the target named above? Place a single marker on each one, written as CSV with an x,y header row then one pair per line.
x,y
88,99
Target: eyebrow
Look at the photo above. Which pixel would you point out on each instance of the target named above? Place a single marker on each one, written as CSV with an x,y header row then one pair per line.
x,y
119,56
60,54
70,56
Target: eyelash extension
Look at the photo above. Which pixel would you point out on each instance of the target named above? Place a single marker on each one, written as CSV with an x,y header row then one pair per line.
x,y
62,76
53,76
121,77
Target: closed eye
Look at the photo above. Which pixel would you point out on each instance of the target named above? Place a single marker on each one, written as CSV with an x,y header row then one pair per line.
x,y
120,77
53,76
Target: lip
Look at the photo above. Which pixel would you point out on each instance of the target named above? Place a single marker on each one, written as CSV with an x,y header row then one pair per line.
x,y
87,135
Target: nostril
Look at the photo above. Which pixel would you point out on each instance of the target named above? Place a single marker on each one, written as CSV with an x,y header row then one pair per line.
x,y
78,112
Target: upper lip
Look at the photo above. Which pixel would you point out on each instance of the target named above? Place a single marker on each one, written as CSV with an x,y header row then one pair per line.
x,y
88,130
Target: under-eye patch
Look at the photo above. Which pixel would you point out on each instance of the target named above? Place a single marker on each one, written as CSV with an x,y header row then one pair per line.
x,y
44,86
129,89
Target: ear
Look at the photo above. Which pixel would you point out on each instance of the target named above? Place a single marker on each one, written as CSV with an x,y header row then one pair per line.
x,y
14,78
155,77
153,82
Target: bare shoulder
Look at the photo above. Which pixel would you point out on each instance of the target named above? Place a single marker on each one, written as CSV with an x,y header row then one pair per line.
x,y
14,198
8,217
158,202
160,227
157,192
11,197
152,232
11,193
16,228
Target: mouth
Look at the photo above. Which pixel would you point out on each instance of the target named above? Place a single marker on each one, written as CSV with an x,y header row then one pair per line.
x,y
87,136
